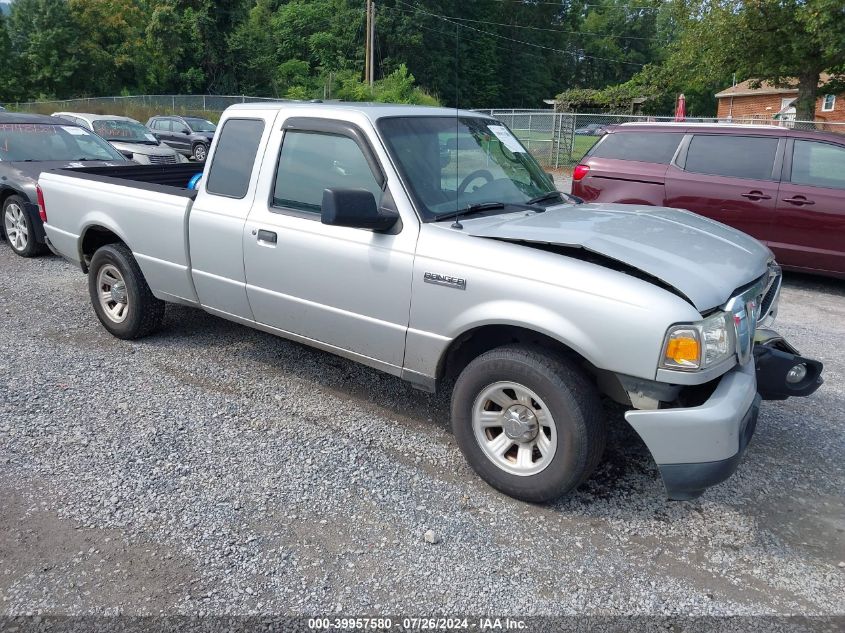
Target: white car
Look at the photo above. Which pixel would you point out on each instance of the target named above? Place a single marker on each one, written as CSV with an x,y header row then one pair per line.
x,y
128,136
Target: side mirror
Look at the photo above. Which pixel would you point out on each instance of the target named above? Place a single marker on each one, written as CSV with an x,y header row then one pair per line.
x,y
186,132
355,208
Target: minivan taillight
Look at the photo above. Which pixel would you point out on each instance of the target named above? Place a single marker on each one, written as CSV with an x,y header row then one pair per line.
x,y
580,171
42,208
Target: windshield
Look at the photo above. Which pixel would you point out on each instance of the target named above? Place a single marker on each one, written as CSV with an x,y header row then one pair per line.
x,y
43,141
452,164
200,125
124,131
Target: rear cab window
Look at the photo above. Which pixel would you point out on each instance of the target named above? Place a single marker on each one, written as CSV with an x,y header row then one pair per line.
x,y
734,156
234,158
644,147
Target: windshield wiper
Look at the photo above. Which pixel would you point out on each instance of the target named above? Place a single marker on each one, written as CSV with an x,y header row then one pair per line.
x,y
551,195
473,209
477,208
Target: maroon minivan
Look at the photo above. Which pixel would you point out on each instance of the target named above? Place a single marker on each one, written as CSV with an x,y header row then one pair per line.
x,y
785,187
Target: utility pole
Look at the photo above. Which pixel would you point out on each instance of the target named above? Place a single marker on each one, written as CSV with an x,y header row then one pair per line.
x,y
372,42
367,46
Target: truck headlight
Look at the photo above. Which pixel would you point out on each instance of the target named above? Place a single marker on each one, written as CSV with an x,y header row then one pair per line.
x,y
695,346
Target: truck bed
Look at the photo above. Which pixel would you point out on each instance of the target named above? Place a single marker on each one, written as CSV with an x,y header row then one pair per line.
x,y
144,206
171,179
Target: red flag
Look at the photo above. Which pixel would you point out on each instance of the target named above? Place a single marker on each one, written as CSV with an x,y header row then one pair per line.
x,y
681,108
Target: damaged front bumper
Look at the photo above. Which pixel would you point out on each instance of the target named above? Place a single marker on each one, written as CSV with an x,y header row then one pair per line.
x,y
698,447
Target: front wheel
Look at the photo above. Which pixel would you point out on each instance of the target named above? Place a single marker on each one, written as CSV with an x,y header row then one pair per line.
x,y
200,152
528,422
120,295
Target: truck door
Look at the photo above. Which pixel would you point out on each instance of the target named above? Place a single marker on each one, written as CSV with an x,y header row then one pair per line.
x,y
216,221
344,288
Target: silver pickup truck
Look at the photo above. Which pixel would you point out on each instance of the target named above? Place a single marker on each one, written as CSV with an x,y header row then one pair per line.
x,y
429,244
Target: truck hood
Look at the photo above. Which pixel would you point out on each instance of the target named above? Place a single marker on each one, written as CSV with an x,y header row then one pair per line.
x,y
702,259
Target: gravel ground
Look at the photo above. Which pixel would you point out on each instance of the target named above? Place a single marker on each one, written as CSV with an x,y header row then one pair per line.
x,y
214,469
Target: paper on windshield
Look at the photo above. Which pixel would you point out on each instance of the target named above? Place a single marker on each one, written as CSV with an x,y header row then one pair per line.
x,y
76,131
152,138
508,140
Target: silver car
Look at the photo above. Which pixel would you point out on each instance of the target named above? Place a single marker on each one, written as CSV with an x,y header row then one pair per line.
x,y
128,136
429,244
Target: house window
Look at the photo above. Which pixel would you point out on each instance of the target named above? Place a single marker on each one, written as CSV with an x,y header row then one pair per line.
x,y
828,102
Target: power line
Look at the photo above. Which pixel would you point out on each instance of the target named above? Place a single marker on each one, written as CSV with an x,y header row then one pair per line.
x,y
450,34
545,29
488,43
529,3
551,30
576,54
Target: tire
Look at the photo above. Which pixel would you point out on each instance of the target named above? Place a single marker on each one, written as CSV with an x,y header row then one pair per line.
x,y
114,275
200,152
19,228
546,395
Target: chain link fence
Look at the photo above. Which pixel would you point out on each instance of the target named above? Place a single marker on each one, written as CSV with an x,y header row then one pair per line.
x,y
557,139
560,139
176,103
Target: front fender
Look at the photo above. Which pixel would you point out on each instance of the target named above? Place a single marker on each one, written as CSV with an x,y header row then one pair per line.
x,y
530,316
599,337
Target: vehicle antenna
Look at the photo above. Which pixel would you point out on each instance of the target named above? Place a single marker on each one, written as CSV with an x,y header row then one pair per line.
x,y
457,223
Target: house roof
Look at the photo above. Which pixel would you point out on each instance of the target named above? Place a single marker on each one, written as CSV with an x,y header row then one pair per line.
x,y
744,89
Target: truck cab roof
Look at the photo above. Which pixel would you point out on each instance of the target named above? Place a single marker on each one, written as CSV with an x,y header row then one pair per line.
x,y
372,111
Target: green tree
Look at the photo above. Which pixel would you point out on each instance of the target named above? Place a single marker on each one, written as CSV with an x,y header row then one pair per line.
x,y
111,38
8,82
252,50
46,39
618,38
779,41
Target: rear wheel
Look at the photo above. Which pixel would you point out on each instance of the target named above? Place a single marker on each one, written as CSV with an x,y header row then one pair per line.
x,y
19,228
120,295
528,422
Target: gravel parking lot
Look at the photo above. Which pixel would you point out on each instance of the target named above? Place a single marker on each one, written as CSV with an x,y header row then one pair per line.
x,y
215,469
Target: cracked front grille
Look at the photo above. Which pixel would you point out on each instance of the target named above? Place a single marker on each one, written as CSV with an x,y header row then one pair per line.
x,y
768,303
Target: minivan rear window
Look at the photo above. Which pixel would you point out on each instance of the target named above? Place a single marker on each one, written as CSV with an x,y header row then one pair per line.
x,y
647,147
750,157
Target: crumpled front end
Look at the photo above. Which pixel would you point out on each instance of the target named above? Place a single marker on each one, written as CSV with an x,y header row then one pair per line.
x,y
699,446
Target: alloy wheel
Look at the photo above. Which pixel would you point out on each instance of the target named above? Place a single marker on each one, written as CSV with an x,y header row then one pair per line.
x,y
15,224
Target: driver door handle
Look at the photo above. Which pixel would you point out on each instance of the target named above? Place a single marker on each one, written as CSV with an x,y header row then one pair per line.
x,y
269,237
756,195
